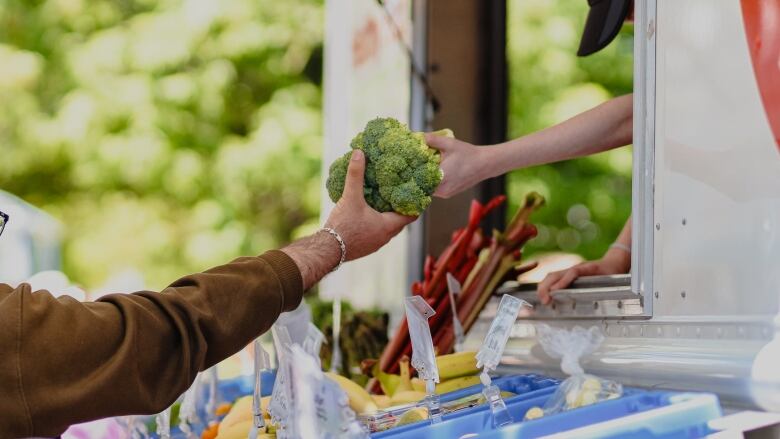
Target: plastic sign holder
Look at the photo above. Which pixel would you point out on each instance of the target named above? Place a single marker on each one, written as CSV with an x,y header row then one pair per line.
x,y
188,413
489,355
321,407
262,363
335,359
164,424
279,406
454,288
423,355
313,341
211,402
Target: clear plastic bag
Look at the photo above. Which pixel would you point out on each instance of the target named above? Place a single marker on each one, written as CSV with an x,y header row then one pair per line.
x,y
580,389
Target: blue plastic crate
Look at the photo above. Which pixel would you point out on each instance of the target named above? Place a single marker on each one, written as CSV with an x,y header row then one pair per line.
x,y
526,387
638,413
518,384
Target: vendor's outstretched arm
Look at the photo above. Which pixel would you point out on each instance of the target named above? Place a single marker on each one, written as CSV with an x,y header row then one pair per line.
x,y
65,361
604,127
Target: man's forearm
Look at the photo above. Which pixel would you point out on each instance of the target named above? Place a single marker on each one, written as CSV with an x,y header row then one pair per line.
x,y
604,127
66,361
315,256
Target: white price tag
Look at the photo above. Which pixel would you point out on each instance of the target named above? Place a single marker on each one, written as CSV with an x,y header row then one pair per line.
x,y
489,355
423,354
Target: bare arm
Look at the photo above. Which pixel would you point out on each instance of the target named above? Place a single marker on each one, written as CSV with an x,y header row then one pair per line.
x,y
604,127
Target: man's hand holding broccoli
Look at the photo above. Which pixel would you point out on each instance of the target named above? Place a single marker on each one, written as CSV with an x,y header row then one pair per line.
x,y
402,172
363,229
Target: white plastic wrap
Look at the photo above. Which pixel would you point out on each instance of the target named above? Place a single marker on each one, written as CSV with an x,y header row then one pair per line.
x,y
320,406
580,389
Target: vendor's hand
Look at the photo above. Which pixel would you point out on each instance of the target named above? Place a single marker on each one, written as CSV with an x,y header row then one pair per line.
x,y
463,164
363,229
615,261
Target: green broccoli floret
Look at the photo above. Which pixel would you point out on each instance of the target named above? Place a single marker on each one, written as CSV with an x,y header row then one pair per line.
x,y
402,172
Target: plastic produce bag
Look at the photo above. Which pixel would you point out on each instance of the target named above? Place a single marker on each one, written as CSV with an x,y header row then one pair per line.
x,y
579,389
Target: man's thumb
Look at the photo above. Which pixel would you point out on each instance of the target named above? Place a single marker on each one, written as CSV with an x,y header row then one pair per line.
x,y
353,187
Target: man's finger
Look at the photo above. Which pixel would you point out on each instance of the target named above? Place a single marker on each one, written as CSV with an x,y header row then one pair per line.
x,y
441,143
397,221
353,186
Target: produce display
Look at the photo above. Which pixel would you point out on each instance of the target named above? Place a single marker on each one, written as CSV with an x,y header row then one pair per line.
x,y
480,264
394,396
402,172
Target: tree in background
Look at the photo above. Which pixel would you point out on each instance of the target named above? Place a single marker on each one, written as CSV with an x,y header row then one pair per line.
x,y
172,135
588,199
168,136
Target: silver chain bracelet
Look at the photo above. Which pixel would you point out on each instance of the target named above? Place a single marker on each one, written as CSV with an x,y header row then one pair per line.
x,y
343,246
620,246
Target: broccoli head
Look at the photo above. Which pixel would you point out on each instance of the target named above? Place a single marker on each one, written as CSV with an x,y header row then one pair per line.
x,y
402,172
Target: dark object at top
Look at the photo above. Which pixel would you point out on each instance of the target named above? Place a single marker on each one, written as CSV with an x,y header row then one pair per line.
x,y
603,24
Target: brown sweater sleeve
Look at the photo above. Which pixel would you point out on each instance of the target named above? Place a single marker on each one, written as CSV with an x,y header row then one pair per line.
x,y
64,361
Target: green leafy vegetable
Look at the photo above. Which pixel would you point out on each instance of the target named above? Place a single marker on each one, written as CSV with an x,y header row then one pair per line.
x,y
402,172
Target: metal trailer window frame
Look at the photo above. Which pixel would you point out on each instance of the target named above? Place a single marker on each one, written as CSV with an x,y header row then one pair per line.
x,y
602,297
643,175
622,296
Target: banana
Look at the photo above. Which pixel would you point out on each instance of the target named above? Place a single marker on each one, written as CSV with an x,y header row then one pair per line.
x,y
534,413
412,415
388,382
405,383
406,397
238,430
242,411
418,384
457,365
454,384
359,400
381,401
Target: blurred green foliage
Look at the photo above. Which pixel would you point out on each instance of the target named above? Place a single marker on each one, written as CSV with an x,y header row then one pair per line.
x,y
169,136
588,199
172,135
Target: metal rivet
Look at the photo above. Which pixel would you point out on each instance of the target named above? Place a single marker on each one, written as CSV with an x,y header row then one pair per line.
x,y
682,294
658,226
684,221
656,294
620,304
595,305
